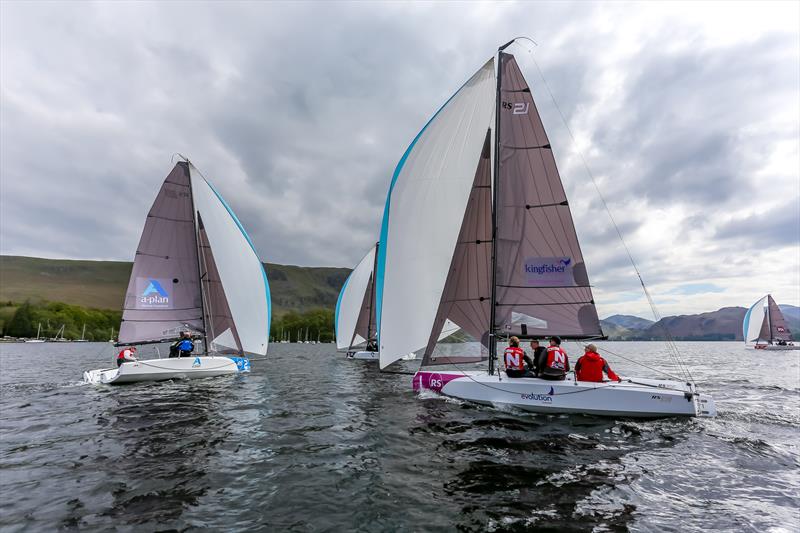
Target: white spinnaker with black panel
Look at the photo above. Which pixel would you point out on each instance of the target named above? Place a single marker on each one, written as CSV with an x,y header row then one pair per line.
x,y
423,214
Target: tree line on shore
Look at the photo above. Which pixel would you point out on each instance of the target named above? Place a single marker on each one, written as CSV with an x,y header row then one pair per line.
x,y
26,319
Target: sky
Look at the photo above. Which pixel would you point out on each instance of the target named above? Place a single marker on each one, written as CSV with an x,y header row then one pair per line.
x,y
687,115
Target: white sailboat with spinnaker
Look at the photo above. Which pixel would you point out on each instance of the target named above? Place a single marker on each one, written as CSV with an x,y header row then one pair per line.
x,y
765,326
477,230
195,271
355,313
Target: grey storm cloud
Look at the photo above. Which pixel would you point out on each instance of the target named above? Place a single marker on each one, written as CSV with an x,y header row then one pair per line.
x,y
298,113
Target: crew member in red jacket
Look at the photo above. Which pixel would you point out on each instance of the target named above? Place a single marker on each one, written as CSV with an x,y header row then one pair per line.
x,y
515,358
557,363
126,356
591,365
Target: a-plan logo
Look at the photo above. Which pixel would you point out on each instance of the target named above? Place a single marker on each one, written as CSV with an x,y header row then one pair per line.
x,y
548,271
153,294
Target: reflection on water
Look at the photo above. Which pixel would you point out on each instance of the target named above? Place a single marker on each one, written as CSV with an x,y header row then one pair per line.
x,y
311,442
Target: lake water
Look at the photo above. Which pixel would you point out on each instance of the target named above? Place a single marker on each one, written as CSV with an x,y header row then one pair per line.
x,y
309,441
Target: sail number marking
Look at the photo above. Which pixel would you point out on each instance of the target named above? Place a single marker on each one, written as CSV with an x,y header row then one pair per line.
x,y
519,108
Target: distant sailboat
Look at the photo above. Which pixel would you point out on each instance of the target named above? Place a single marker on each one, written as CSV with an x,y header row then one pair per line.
x,y
195,270
485,237
38,334
355,327
83,334
765,326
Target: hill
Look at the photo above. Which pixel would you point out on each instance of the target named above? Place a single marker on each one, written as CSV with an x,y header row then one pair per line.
x,y
629,321
723,324
102,284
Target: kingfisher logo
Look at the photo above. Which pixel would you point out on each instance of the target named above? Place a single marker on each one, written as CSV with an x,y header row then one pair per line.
x,y
548,271
544,398
153,294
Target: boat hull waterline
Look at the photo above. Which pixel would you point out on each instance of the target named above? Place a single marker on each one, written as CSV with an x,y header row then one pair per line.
x,y
633,397
364,355
167,369
777,347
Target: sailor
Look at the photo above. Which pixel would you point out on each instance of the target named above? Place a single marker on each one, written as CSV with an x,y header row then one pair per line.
x,y
539,356
591,365
557,364
515,359
126,356
185,346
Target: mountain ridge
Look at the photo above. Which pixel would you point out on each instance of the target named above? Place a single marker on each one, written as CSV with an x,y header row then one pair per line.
x,y
102,285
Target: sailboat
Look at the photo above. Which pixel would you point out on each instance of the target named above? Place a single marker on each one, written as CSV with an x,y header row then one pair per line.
x,y
765,326
83,335
38,334
355,324
477,229
195,271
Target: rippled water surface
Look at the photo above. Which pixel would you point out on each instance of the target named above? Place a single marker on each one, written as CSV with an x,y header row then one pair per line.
x,y
311,442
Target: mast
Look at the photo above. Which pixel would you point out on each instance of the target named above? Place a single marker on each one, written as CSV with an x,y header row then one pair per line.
x,y
769,321
372,295
199,270
495,183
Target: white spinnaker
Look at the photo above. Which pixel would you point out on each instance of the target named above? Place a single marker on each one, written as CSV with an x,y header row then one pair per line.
x,y
424,211
754,320
240,270
350,299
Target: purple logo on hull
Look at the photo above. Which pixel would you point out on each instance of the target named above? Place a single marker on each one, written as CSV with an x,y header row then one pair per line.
x,y
432,380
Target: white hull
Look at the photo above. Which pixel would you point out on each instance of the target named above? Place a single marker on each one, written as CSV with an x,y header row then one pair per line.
x,y
29,341
634,397
166,369
777,347
364,355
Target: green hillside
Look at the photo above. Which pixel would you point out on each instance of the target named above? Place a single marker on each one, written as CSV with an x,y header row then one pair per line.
x,y
102,284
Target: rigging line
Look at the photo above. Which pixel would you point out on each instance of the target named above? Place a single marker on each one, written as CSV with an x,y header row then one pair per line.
x,y
606,350
670,341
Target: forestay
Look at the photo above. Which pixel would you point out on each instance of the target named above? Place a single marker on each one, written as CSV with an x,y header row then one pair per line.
x,y
422,218
542,287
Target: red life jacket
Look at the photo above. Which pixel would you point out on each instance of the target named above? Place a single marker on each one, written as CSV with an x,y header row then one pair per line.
x,y
125,354
514,357
557,359
590,367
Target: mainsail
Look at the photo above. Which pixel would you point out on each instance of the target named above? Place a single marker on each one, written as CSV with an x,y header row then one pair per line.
x,y
541,280
163,296
196,269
